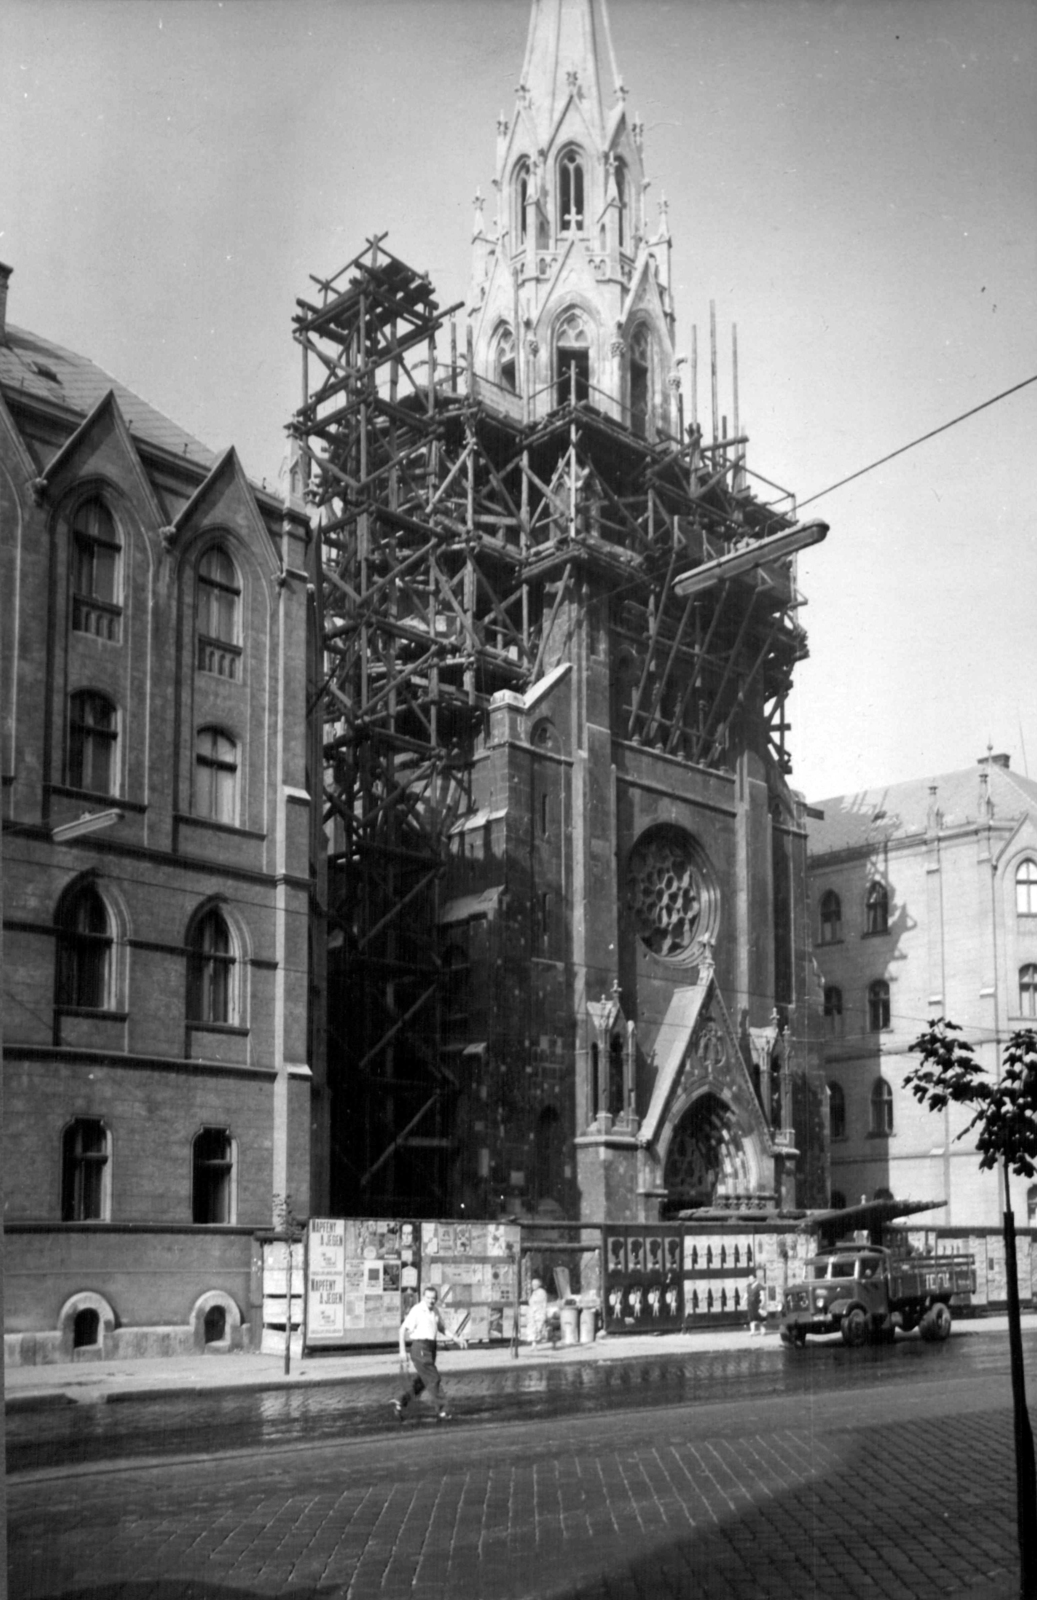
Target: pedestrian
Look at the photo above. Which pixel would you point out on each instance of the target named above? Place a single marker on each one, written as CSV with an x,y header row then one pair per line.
x,y
754,1306
423,1326
537,1312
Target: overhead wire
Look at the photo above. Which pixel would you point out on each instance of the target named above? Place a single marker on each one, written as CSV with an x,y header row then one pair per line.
x,y
920,440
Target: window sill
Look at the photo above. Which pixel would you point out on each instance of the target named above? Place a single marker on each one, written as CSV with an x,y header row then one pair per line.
x,y
875,933
228,1028
874,1135
92,796
198,821
93,1013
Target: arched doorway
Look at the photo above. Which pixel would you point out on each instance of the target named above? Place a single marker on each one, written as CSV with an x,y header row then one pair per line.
x,y
701,1153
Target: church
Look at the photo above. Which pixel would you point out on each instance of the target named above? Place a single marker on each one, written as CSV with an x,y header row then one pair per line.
x,y
569,959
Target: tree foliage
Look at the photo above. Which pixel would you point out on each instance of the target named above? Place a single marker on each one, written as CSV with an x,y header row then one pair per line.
x,y
1005,1109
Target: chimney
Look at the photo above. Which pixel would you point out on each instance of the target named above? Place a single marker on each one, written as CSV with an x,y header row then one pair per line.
x,y
5,278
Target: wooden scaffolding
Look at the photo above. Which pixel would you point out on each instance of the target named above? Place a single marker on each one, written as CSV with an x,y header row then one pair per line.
x,y
453,530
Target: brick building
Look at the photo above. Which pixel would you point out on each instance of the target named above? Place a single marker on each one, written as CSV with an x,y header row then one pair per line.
x,y
156,861
924,900
569,949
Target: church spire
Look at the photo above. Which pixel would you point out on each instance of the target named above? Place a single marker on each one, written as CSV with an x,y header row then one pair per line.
x,y
570,297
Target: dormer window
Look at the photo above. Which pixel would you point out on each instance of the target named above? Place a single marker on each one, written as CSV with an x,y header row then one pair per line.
x,y
570,191
96,585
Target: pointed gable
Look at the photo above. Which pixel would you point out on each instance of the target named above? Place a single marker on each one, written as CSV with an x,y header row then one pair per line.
x,y
225,498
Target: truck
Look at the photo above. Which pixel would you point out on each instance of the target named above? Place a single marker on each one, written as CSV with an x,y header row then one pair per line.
x,y
868,1291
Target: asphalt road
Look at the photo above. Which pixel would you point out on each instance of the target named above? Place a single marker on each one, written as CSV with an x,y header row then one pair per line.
x,y
746,1475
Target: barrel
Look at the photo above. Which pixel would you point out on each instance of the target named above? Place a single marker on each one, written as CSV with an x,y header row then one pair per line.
x,y
570,1317
588,1325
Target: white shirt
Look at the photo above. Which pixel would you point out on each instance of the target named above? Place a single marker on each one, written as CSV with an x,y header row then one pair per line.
x,y
422,1322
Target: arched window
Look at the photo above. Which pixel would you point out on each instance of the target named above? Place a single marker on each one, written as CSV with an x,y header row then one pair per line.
x,y
831,918
211,966
1028,990
96,578
623,196
1026,889
212,1177
640,387
878,1005
520,192
833,1012
85,1186
572,359
881,1107
219,614
93,734
836,1111
570,190
215,776
85,965
876,908
505,363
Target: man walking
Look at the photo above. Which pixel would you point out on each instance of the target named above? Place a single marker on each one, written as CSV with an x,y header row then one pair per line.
x,y
423,1325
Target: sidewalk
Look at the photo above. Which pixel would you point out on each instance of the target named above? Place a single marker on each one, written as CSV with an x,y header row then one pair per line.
x,y
99,1381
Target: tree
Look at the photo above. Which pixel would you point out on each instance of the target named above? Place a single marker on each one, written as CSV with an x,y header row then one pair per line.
x,y
1005,1121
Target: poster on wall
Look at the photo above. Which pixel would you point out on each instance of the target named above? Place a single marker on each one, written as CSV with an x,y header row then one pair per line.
x,y
642,1278
474,1265
362,1276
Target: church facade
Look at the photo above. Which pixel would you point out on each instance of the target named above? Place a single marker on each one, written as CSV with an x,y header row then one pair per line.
x,y
561,630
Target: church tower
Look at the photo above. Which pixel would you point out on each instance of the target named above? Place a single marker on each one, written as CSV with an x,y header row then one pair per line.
x,y
571,286
569,951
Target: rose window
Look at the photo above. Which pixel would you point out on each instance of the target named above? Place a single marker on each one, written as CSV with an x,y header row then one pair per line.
x,y
671,895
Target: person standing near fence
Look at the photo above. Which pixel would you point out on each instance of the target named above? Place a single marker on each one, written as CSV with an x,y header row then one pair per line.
x,y
754,1306
423,1326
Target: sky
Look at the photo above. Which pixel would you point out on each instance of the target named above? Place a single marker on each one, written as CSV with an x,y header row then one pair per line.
x,y
853,183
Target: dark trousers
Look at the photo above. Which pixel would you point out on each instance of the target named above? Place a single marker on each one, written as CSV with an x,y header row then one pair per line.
x,y
426,1374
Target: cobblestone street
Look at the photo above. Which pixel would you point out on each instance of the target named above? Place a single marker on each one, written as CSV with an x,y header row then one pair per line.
x,y
904,1491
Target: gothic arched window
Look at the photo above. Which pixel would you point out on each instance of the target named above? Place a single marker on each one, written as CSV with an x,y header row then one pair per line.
x,y
833,1011
505,362
831,918
1026,889
1028,990
219,614
215,776
640,380
570,190
878,1005
836,1111
85,942
96,575
572,359
520,192
623,196
876,907
92,737
881,1108
85,1184
211,967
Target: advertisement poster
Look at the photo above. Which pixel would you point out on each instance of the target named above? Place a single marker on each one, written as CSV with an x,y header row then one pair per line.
x,y
362,1276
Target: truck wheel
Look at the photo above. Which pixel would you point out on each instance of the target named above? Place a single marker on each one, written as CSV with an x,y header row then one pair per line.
x,y
940,1321
854,1327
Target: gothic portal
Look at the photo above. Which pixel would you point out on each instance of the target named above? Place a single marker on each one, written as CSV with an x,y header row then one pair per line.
x,y
567,890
